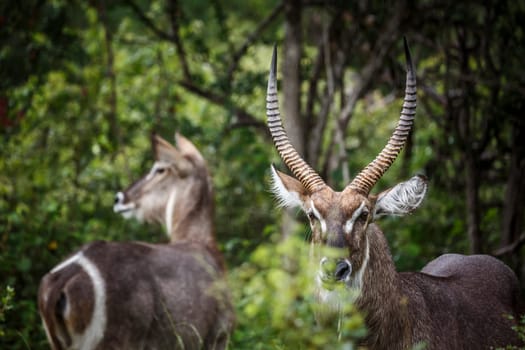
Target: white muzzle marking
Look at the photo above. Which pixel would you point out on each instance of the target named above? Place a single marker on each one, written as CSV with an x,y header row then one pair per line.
x,y
125,209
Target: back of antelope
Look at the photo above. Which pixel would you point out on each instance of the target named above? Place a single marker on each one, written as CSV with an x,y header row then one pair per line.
x,y
133,295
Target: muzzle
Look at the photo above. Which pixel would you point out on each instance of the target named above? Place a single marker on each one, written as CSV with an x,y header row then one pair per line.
x,y
334,270
121,207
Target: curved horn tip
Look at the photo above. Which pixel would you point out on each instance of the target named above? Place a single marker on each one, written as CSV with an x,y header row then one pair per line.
x,y
422,177
272,77
408,56
273,66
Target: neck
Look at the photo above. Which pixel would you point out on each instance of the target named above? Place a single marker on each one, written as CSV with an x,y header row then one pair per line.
x,y
381,299
189,215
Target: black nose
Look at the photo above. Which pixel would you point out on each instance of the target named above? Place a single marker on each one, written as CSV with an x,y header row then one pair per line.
x,y
342,270
119,198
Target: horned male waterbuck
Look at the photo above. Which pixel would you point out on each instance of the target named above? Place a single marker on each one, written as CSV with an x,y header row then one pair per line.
x,y
134,295
455,302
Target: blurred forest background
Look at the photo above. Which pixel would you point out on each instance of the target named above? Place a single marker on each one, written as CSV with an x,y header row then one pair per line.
x,y
84,83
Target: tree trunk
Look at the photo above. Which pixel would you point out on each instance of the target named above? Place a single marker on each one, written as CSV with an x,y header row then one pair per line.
x,y
292,120
110,73
472,203
514,201
465,131
291,75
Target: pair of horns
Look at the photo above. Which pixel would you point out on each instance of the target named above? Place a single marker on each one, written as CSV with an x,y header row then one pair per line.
x,y
369,176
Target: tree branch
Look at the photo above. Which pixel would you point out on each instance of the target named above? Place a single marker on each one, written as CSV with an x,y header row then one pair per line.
x,y
511,248
149,23
315,124
174,38
383,44
251,38
110,73
244,118
175,13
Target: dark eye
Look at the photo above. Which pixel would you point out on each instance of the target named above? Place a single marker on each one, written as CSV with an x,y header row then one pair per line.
x,y
160,170
364,215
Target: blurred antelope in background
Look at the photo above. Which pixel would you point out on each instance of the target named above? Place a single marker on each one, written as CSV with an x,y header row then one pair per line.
x,y
455,302
176,193
115,295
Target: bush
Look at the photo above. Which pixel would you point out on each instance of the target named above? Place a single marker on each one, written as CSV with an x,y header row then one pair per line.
x,y
275,299
6,304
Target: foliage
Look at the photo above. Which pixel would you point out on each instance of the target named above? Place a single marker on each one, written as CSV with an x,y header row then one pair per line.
x,y
276,303
520,330
6,304
84,83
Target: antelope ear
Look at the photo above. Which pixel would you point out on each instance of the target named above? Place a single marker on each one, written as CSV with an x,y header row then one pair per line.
x,y
401,199
288,191
165,152
187,148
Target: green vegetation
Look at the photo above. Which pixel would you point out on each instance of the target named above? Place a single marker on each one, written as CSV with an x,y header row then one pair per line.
x,y
276,303
520,329
6,304
82,85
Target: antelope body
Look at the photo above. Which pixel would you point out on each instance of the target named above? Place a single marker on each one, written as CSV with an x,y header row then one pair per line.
x,y
455,302
134,295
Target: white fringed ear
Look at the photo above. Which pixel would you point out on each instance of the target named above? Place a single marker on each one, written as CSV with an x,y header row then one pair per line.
x,y
288,191
401,199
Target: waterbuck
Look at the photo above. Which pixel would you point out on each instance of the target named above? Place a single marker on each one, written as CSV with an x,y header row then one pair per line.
x,y
176,193
134,295
455,302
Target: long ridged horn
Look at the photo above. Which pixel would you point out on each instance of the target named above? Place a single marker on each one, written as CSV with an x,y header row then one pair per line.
x,y
369,176
302,171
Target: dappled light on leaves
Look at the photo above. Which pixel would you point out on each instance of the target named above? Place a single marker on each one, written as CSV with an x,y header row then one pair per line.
x,y
276,302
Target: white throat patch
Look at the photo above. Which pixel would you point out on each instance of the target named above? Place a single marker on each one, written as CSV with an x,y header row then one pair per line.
x,y
357,282
170,207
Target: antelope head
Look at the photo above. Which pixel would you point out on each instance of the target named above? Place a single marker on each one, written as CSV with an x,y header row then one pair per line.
x,y
343,219
177,185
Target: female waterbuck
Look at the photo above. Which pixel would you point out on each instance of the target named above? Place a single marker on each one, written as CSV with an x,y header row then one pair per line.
x,y
176,193
117,295
455,302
